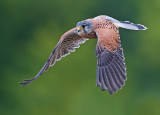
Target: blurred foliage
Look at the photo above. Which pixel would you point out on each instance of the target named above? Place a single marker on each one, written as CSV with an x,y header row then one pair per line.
x,y
29,30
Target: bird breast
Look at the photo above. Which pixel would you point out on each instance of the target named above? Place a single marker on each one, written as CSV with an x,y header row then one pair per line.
x,y
107,32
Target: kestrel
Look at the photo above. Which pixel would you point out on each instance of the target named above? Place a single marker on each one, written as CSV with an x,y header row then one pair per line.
x,y
111,69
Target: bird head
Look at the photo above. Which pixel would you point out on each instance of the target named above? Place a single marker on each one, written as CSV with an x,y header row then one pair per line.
x,y
84,28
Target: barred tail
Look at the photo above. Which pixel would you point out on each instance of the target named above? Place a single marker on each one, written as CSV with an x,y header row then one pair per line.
x,y
126,24
131,26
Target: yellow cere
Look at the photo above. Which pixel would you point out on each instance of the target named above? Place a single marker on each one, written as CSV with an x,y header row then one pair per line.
x,y
79,28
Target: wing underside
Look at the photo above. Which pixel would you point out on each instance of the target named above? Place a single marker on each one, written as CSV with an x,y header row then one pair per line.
x,y
68,42
111,69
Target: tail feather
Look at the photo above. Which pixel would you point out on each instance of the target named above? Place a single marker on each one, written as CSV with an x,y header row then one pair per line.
x,y
126,24
131,26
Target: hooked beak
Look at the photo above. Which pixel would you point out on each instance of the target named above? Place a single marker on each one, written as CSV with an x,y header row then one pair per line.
x,y
79,28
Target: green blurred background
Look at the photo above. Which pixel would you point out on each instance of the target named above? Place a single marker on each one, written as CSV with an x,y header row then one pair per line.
x,y
29,30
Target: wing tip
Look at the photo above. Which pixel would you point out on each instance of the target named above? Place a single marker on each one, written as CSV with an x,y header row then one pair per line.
x,y
24,83
27,81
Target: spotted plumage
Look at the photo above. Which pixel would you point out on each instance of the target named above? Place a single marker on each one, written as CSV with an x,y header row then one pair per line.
x,y
111,69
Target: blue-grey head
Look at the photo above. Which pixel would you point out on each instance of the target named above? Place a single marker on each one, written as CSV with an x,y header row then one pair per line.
x,y
84,27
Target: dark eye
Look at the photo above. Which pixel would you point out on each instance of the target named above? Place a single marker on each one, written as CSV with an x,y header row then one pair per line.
x,y
83,26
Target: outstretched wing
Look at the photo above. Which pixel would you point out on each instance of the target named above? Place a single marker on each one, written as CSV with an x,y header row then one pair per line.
x,y
67,43
111,69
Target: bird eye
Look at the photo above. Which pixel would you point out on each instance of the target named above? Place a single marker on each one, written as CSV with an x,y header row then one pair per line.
x,y
83,26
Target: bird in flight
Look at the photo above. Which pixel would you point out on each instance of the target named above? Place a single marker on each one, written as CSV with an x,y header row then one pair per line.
x,y
111,69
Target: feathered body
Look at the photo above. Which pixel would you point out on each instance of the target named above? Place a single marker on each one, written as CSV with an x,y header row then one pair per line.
x,y
111,69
